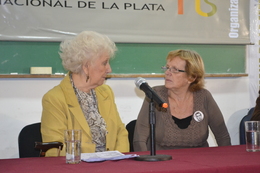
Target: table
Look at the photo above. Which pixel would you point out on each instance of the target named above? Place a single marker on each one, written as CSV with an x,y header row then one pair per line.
x,y
228,159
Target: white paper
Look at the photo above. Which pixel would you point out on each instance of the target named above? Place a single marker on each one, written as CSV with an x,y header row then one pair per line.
x,y
106,155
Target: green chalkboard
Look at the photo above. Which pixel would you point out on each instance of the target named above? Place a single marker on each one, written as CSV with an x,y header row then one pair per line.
x,y
131,58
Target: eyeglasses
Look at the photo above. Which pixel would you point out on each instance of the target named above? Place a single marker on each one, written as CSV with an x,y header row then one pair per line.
x,y
171,69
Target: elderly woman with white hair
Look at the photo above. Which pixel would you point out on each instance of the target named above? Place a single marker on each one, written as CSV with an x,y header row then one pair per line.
x,y
81,100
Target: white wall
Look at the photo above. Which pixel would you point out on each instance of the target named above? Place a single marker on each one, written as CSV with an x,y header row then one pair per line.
x,y
20,104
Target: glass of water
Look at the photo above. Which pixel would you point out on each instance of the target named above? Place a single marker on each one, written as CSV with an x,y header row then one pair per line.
x,y
73,146
252,130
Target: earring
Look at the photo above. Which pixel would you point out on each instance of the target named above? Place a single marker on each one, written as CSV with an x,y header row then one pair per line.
x,y
87,78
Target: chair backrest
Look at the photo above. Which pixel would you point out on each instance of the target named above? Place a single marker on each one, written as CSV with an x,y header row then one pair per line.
x,y
30,142
27,138
242,136
131,128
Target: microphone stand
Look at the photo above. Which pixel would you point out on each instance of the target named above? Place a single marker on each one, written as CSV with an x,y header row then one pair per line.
x,y
152,156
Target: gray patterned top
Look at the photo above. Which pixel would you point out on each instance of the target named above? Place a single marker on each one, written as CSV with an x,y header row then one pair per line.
x,y
97,124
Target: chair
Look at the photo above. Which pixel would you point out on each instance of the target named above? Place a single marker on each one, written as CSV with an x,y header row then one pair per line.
x,y
247,117
45,146
130,127
30,142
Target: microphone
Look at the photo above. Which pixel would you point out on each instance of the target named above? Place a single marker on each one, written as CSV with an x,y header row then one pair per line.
x,y
143,85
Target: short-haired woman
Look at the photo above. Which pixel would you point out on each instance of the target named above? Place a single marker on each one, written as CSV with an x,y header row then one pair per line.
x,y
192,109
81,100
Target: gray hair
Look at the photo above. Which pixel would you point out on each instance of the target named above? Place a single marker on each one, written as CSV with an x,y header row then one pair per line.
x,y
85,47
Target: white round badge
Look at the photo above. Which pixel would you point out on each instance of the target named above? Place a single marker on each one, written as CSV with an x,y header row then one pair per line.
x,y
198,116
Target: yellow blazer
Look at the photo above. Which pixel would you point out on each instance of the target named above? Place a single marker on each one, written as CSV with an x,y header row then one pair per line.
x,y
61,111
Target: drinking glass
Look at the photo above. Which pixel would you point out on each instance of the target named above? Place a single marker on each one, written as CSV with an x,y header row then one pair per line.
x,y
252,130
73,146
